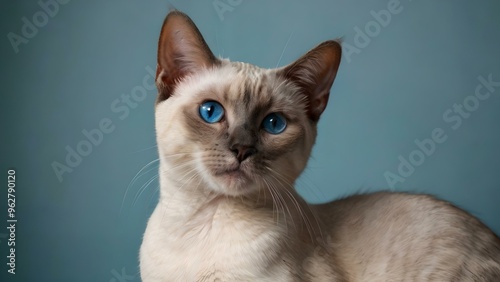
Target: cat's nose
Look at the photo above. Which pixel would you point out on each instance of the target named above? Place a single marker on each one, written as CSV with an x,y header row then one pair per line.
x,y
242,152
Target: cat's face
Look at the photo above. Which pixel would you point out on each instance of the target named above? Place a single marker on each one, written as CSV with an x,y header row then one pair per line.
x,y
238,127
233,128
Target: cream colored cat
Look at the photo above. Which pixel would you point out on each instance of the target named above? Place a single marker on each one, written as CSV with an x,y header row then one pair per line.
x,y
232,140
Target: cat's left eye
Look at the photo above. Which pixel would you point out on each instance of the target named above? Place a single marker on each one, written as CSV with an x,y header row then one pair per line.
x,y
274,123
211,111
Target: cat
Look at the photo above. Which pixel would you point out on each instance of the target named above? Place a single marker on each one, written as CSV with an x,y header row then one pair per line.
x,y
233,138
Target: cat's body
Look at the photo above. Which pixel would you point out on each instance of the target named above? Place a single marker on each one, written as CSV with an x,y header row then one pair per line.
x,y
232,140
363,238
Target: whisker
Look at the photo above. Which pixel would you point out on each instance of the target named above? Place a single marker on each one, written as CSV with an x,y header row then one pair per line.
x,y
308,183
284,49
137,176
284,202
144,186
299,208
166,204
273,199
155,192
184,182
189,179
177,154
177,167
142,189
145,149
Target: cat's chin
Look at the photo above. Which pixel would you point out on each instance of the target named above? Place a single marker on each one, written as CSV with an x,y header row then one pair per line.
x,y
235,182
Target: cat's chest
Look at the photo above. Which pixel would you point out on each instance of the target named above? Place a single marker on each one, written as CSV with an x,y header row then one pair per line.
x,y
216,248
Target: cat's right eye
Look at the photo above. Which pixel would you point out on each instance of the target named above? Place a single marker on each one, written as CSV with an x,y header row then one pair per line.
x,y
274,123
211,111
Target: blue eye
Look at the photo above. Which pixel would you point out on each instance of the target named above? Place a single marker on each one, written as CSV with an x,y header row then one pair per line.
x,y
211,111
274,123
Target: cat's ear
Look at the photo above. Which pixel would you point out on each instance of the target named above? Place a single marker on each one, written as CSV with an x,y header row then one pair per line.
x,y
314,73
181,51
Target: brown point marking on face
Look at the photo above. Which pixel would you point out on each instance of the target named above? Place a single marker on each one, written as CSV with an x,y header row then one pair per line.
x,y
246,94
260,86
246,101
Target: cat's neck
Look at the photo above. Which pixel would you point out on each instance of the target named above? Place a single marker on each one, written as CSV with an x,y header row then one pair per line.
x,y
194,208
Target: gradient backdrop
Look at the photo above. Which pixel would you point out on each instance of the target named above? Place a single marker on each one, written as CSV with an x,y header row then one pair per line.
x,y
77,97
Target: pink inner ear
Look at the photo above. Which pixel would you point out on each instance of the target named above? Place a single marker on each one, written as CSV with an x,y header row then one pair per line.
x,y
181,51
314,73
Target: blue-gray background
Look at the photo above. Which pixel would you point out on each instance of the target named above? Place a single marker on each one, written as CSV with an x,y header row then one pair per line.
x,y
392,90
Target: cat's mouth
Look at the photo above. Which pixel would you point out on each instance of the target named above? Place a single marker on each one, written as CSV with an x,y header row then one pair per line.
x,y
234,180
234,171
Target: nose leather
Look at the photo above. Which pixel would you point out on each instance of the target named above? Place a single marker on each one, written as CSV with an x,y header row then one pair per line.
x,y
242,142
242,152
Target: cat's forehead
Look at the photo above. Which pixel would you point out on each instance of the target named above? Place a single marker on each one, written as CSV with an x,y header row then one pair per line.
x,y
247,70
255,89
250,85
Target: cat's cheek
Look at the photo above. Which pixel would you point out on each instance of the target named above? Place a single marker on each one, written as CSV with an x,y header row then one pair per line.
x,y
289,166
166,126
280,144
171,134
291,152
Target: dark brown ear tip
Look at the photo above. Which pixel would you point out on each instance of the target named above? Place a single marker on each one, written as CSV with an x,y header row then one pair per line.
x,y
177,15
334,45
333,42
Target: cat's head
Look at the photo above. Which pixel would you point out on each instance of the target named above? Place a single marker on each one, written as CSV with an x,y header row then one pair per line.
x,y
233,128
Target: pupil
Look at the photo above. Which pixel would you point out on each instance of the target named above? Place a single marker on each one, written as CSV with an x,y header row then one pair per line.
x,y
210,111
